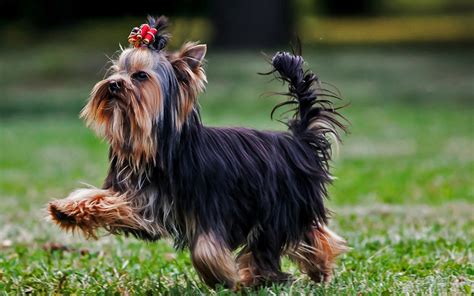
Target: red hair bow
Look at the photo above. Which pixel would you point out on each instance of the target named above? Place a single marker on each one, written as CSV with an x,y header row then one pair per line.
x,y
142,36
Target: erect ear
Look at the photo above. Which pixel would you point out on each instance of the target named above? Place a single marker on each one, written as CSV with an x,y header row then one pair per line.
x,y
193,54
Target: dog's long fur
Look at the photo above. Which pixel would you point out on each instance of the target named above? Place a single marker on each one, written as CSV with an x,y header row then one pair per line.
x,y
213,190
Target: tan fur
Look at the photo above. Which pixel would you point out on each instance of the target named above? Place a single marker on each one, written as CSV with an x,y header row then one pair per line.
x,y
248,272
214,261
140,59
317,259
194,82
90,209
138,109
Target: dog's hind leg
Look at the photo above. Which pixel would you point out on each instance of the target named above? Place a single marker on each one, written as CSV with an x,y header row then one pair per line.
x,y
316,255
248,270
214,261
260,261
252,274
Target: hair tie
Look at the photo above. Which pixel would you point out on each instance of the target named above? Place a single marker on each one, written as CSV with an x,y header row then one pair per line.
x,y
151,34
142,36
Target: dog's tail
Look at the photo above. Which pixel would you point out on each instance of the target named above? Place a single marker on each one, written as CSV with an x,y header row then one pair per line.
x,y
316,119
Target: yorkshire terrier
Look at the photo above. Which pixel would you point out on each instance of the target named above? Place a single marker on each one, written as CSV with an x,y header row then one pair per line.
x,y
239,199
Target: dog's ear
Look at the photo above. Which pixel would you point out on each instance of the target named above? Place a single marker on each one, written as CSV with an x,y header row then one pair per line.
x,y
187,63
193,54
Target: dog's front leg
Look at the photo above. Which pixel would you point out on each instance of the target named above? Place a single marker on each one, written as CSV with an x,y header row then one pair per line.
x,y
91,209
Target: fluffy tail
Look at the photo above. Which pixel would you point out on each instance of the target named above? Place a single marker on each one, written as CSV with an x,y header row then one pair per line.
x,y
315,118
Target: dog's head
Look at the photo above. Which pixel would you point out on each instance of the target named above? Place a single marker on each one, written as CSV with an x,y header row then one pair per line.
x,y
148,90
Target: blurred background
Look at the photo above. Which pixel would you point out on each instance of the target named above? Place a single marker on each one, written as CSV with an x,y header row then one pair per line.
x,y
405,67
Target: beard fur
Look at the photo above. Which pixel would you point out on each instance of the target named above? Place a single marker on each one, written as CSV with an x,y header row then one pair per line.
x,y
127,121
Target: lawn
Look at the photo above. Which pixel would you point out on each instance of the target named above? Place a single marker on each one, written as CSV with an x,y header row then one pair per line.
x,y
404,197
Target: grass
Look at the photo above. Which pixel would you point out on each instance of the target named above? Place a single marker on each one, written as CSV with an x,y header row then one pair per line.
x,y
403,198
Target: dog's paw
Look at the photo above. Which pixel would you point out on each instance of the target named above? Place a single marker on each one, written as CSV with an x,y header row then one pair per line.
x,y
79,211
60,216
88,210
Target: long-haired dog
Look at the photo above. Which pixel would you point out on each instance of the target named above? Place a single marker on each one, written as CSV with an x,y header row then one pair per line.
x,y
238,198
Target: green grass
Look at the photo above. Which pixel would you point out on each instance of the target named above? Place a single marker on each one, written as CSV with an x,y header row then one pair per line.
x,y
403,198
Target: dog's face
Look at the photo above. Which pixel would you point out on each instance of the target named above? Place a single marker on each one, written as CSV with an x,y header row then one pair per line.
x,y
146,91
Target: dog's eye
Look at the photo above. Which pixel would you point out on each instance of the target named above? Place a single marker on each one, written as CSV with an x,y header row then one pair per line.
x,y
140,76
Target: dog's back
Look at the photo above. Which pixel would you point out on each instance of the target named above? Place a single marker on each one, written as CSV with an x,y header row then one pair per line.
x,y
261,190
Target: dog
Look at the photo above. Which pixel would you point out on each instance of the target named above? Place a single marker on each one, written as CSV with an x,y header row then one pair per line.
x,y
239,199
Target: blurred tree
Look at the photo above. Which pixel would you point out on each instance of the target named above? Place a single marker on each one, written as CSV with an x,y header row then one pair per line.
x,y
251,23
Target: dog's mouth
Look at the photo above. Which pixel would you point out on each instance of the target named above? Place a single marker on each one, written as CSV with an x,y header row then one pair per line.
x,y
115,100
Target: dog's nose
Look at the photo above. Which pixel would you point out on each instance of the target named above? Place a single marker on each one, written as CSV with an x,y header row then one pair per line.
x,y
114,86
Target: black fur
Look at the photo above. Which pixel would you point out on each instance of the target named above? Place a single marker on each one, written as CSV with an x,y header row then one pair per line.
x,y
257,189
161,38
